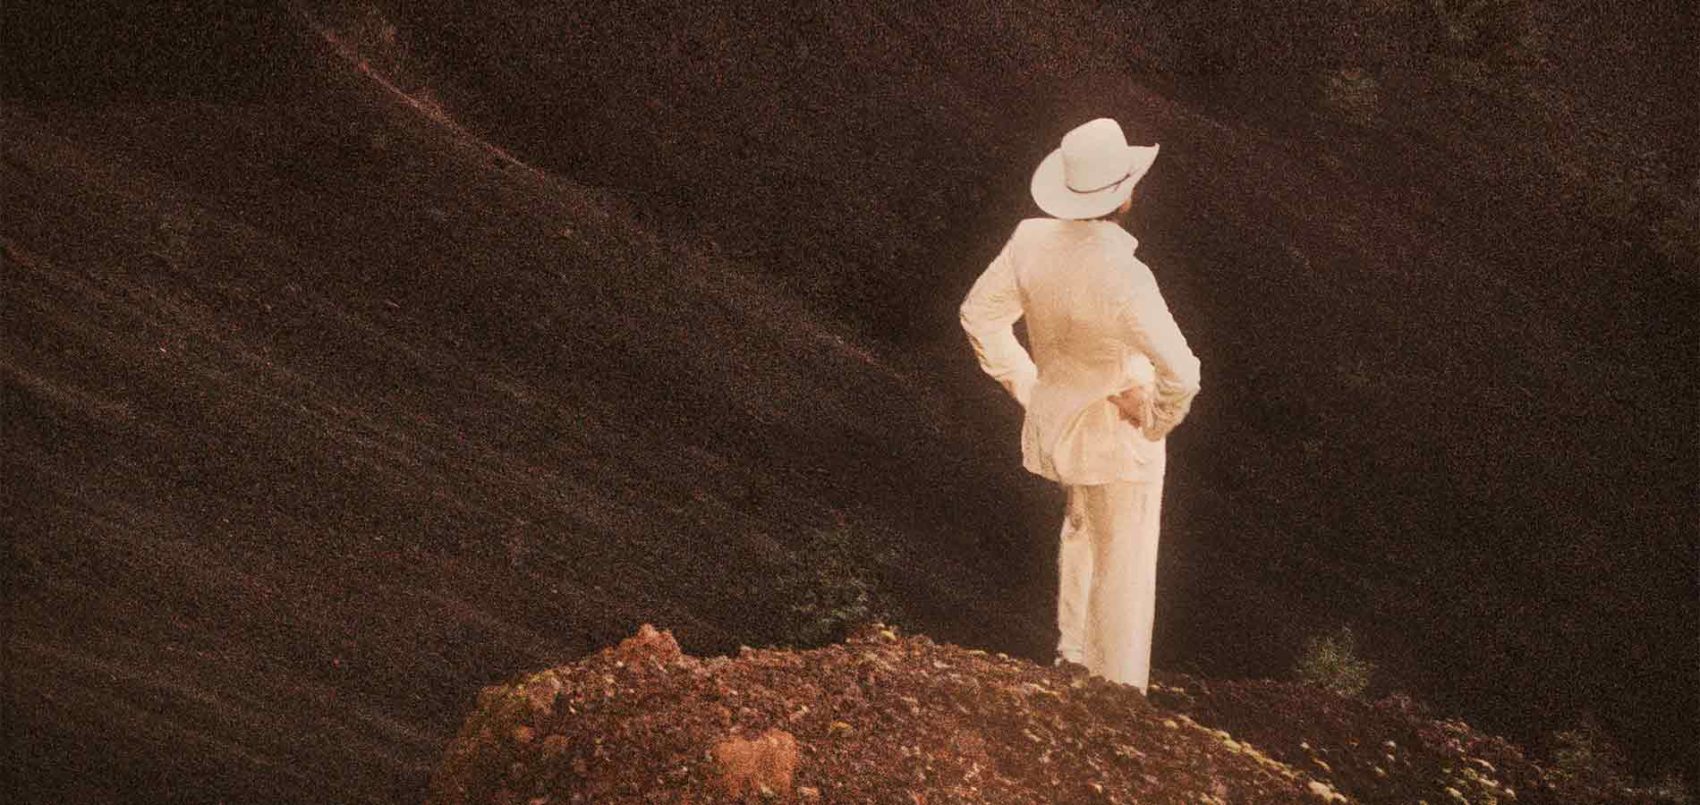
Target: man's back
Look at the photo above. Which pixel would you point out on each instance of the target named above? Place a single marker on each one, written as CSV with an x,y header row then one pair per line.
x,y
1072,287
1095,317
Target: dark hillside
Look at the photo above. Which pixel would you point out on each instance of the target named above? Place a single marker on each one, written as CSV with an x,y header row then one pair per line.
x,y
321,413
334,389
1439,261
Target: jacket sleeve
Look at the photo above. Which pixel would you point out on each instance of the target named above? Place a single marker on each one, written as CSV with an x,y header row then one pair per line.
x,y
988,316
1150,328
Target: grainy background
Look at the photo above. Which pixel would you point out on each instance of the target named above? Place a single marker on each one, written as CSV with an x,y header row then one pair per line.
x,y
328,400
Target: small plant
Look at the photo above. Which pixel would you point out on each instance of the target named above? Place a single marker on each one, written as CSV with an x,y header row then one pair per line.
x,y
1588,766
1668,789
1330,661
832,587
1587,756
1355,94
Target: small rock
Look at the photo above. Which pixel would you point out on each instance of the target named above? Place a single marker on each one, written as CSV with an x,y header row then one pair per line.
x,y
540,691
649,646
1325,792
752,766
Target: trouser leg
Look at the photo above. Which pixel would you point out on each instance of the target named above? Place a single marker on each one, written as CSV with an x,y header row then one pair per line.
x,y
1122,519
1074,578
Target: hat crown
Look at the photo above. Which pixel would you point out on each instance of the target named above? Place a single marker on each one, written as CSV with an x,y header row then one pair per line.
x,y
1094,154
1091,173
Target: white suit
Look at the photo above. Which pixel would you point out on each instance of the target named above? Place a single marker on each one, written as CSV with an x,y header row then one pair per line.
x,y
1098,325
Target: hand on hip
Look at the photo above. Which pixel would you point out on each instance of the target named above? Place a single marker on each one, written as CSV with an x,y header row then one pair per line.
x,y
1136,406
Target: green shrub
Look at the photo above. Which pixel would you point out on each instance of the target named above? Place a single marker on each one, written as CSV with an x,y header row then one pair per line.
x,y
1586,765
1330,661
1354,94
1587,755
832,587
1667,789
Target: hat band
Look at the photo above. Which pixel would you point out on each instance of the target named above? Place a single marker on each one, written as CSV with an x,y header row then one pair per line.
x,y
1072,188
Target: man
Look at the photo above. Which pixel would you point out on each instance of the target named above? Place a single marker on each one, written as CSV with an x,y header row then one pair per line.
x,y
1109,377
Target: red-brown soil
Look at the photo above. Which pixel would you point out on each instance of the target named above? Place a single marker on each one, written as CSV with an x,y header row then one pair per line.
x,y
882,718
892,718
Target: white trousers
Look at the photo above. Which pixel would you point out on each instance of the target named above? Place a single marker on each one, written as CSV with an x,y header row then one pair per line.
x,y
1106,600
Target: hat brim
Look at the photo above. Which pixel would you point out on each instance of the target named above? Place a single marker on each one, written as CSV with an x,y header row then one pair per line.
x,y
1050,188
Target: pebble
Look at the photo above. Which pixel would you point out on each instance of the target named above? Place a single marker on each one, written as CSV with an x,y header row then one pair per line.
x,y
1325,792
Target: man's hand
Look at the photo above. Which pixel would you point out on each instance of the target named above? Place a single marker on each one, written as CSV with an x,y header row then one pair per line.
x,y
1136,406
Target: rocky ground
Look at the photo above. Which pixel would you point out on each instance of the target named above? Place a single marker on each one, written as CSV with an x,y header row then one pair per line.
x,y
882,717
888,717
1393,749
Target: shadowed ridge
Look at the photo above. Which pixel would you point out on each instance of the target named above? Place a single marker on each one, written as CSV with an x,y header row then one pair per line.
x,y
290,453
103,52
319,413
1438,261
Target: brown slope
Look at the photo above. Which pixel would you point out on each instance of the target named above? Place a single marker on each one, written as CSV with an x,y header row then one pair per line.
x,y
1499,539
1394,749
1439,262
320,413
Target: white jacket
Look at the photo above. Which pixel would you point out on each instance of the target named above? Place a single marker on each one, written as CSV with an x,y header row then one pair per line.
x,y
1098,325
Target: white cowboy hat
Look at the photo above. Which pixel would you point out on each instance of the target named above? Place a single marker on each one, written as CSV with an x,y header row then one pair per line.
x,y
1092,173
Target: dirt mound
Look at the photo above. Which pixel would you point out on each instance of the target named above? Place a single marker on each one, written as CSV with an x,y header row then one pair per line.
x,y
883,717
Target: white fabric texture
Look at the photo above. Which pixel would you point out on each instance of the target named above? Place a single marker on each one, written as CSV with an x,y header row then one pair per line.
x,y
1098,325
1107,574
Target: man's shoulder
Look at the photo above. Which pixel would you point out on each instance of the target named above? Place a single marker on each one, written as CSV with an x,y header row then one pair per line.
x,y
1118,238
1032,233
1029,226
1141,275
1120,247
1138,276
